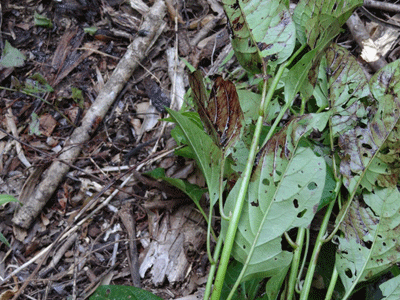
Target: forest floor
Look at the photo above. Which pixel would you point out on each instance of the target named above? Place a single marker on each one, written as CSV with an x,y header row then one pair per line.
x,y
99,219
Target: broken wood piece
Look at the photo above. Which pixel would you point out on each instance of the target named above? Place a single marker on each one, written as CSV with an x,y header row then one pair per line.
x,y
129,222
166,257
363,39
56,172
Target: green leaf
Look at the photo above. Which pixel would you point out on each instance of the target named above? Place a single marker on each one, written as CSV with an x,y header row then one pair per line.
x,y
34,125
42,21
118,292
319,11
207,154
3,200
40,85
284,192
90,30
364,147
77,96
193,191
391,289
7,198
261,29
4,240
11,57
302,70
371,238
349,93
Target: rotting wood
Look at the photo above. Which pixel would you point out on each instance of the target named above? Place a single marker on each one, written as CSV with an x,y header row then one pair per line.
x,y
153,23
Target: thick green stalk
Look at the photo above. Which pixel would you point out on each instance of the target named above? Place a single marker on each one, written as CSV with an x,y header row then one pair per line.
x,y
332,284
231,232
213,268
295,262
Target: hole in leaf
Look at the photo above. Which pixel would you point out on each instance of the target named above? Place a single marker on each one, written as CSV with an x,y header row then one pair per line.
x,y
368,244
278,172
312,186
366,146
244,246
302,213
384,150
296,203
383,244
348,273
255,203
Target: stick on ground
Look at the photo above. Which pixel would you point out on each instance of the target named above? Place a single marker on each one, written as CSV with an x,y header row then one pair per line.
x,y
136,52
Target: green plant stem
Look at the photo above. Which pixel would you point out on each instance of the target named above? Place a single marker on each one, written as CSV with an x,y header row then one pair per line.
x,y
332,284
209,229
295,263
300,273
233,224
221,189
276,122
314,257
290,241
213,268
232,228
266,99
303,106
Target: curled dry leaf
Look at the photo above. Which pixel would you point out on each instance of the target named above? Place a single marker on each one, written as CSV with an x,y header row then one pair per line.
x,y
221,113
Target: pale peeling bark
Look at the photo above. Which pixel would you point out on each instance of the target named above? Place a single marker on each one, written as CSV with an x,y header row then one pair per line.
x,y
153,24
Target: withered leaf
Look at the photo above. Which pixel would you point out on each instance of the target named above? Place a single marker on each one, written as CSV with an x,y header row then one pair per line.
x,y
157,97
220,113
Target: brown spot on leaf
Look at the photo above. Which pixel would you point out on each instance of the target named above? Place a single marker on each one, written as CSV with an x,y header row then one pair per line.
x,y
263,46
236,25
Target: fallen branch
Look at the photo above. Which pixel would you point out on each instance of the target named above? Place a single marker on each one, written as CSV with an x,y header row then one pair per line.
x,y
153,24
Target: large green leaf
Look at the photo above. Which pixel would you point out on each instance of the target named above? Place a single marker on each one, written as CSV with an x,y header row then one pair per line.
x,y
296,79
284,192
312,17
207,154
365,148
371,241
261,29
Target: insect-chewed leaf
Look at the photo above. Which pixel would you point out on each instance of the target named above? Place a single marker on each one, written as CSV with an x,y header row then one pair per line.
x,y
221,113
365,149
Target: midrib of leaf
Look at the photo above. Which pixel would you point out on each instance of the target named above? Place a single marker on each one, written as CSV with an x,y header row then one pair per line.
x,y
266,214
